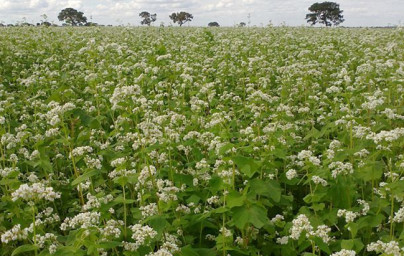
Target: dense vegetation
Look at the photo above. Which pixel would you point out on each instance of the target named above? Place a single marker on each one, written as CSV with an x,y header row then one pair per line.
x,y
201,142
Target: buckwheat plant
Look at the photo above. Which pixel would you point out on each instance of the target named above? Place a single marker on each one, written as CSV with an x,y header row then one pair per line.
x,y
201,141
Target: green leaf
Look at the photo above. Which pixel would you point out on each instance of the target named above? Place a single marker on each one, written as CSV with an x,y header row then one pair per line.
x,y
347,244
314,133
109,244
226,148
121,200
234,199
370,172
268,188
248,166
45,164
253,214
158,223
205,252
323,246
353,228
352,244
68,251
84,177
24,248
188,251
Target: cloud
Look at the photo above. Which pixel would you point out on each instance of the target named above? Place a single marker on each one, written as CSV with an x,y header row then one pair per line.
x,y
226,12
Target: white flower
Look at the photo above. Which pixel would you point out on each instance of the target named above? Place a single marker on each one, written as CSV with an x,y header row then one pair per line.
x,y
282,240
349,215
140,234
300,224
149,210
14,234
319,180
79,151
390,248
82,220
34,192
344,252
399,215
225,232
291,174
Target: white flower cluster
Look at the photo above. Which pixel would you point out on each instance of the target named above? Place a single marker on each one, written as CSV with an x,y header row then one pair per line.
x,y
94,163
79,151
41,240
121,173
349,215
166,190
302,224
118,162
160,252
83,220
92,202
112,228
365,207
34,192
213,200
225,232
46,217
171,243
122,93
8,170
307,155
145,173
386,136
14,234
52,132
373,101
291,174
319,180
56,109
391,248
344,252
399,215
141,235
277,218
340,168
149,210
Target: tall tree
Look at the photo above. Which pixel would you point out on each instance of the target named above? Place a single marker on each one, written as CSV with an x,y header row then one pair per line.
x,y
326,13
213,24
148,18
242,24
181,17
72,16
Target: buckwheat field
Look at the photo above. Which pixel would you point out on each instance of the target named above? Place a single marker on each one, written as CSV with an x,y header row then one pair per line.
x,y
201,142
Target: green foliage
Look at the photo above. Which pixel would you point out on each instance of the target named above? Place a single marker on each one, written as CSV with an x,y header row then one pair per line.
x,y
201,142
327,13
181,17
72,17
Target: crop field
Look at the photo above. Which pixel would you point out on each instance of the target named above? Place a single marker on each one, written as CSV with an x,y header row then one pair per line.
x,y
201,142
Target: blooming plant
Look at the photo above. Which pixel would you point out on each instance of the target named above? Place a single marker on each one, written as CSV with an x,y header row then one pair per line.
x,y
201,142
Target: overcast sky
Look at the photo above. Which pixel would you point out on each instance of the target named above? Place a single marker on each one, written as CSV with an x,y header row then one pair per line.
x,y
226,12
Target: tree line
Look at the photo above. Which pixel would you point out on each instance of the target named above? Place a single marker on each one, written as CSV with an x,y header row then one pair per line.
x,y
326,13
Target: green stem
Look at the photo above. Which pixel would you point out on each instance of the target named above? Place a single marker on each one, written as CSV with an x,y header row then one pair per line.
x,y
34,229
124,212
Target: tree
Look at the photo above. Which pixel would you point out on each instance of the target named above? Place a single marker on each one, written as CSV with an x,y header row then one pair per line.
x,y
181,17
148,18
326,13
213,24
72,17
242,24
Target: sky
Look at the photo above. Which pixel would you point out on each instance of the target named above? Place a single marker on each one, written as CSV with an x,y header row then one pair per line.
x,y
225,12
